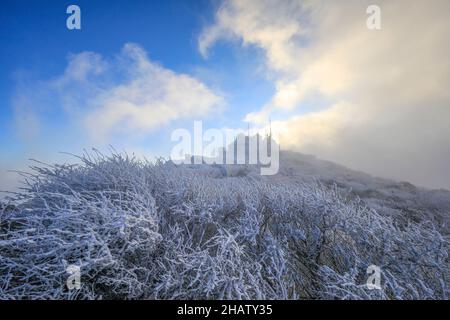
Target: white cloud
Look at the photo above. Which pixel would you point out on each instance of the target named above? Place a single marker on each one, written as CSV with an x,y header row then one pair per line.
x,y
389,110
27,120
82,65
151,97
129,95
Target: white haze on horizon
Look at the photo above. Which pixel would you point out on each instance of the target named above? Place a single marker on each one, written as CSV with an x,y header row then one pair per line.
x,y
387,101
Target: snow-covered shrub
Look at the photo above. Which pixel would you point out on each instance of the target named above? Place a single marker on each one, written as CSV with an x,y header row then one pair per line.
x,y
99,216
161,231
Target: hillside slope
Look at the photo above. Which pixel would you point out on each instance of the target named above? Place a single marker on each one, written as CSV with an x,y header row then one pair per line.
x,y
139,230
401,200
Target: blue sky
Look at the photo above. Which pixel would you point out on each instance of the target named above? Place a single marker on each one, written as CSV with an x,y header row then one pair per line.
x,y
36,45
375,100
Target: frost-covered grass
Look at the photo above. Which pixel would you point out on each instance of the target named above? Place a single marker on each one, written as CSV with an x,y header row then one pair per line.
x,y
144,230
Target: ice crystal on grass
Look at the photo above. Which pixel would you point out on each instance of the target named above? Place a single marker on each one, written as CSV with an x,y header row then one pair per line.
x,y
141,230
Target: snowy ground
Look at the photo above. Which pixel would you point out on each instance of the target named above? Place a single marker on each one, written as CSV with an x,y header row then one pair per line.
x,y
398,199
159,231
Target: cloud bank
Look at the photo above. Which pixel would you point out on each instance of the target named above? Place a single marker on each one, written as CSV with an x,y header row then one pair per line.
x,y
127,95
387,105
